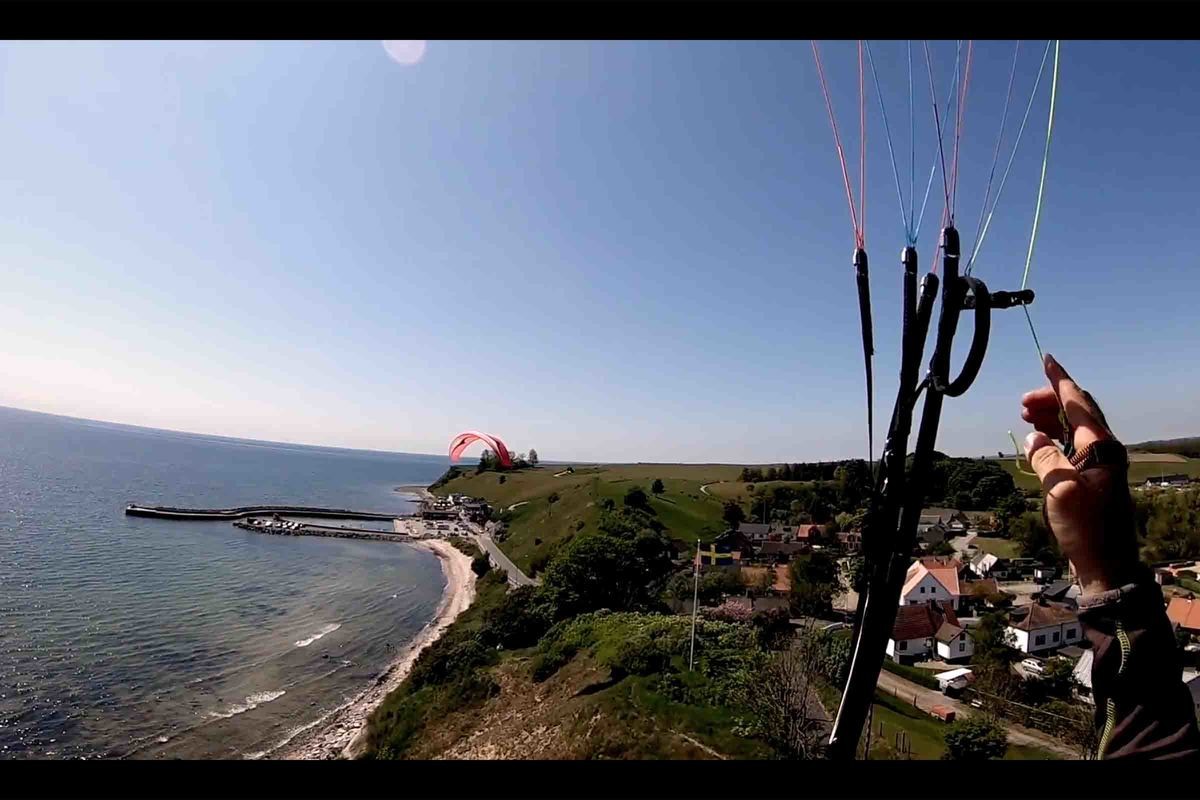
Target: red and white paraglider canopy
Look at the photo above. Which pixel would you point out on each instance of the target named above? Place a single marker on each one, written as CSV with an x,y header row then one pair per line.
x,y
467,438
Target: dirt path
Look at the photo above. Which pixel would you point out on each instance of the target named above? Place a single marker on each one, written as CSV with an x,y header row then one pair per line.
x,y
926,698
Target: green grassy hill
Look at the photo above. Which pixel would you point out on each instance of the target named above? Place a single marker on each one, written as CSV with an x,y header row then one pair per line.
x,y
537,529
1139,470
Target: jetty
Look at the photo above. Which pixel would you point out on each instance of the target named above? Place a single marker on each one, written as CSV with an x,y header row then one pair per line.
x,y
283,527
170,512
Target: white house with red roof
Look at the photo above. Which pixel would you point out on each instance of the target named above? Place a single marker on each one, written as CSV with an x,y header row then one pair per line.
x,y
922,630
932,579
1039,627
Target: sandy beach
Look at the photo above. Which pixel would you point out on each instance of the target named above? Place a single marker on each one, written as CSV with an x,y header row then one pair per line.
x,y
342,732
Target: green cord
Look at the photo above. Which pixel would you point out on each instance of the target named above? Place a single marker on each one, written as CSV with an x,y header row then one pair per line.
x,y
1037,213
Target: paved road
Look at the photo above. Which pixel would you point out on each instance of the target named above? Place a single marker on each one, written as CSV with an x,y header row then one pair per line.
x,y
515,576
927,698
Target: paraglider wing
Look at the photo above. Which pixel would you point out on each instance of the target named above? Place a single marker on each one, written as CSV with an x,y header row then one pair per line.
x,y
467,438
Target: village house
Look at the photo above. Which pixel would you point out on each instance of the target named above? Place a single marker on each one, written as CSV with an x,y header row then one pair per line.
x,y
931,579
810,533
1184,613
1061,591
850,541
1041,627
979,520
952,520
1168,481
915,634
756,532
983,563
980,595
931,533
780,552
1174,568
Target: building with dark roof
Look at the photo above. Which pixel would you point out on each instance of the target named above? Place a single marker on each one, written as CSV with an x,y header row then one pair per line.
x,y
1043,627
915,632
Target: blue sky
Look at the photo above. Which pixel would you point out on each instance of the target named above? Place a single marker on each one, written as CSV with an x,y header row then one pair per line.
x,y
615,251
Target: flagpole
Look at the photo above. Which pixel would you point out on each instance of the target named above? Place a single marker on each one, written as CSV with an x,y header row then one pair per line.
x,y
695,604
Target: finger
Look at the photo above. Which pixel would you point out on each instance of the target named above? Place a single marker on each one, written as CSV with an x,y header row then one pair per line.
x,y
1051,466
1042,396
1082,414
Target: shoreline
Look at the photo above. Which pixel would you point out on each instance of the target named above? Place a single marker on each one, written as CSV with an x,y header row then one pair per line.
x,y
341,733
415,490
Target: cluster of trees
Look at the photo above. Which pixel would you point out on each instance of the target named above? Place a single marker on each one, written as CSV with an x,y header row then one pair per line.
x,y
819,471
623,565
971,484
1168,524
816,579
488,462
838,492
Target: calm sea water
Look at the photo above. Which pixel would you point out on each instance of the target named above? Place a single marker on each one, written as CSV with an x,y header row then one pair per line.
x,y
129,637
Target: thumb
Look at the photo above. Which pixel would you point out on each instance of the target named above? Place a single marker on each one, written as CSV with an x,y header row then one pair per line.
x,y
1051,466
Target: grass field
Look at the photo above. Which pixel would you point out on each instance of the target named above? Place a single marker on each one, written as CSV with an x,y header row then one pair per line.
x,y
1139,470
1003,548
537,528
736,490
926,735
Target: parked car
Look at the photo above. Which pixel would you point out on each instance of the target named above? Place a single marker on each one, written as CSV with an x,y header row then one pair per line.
x,y
1033,665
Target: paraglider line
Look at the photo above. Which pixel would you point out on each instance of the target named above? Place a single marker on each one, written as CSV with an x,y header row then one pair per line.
x,y
938,122
1017,143
837,140
1012,74
904,218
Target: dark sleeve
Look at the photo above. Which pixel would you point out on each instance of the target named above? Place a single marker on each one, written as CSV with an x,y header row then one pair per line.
x,y
1143,708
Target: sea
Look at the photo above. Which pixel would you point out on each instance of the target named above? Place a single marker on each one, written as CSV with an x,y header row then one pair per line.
x,y
127,637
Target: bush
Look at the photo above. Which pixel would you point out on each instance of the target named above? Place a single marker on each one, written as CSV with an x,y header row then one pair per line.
x,y
447,660
518,621
465,546
480,565
975,738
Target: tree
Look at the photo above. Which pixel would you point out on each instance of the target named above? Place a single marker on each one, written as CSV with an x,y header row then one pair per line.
x,y
731,611
759,583
782,701
635,497
533,457
486,462
991,641
1008,510
855,572
518,621
733,514
596,571
551,500
1058,678
942,548
657,487
815,580
1034,539
975,738
480,565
